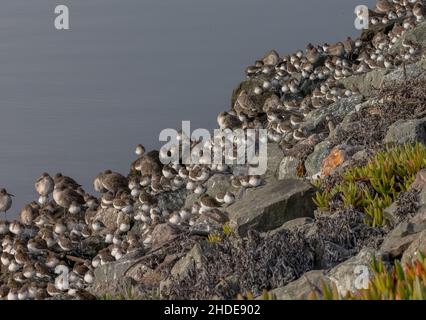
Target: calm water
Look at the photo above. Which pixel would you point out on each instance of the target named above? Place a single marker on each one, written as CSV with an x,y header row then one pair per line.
x,y
78,101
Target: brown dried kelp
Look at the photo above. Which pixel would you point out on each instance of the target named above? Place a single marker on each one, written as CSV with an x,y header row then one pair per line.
x,y
396,101
255,263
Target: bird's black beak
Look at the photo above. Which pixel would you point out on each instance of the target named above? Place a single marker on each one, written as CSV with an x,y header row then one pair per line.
x,y
9,194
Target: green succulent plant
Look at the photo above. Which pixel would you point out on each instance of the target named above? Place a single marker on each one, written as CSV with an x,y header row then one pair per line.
x,y
400,283
373,187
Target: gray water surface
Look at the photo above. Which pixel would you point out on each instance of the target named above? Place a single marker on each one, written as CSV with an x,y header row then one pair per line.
x,y
78,101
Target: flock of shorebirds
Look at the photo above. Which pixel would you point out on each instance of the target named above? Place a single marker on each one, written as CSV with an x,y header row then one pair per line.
x,y
51,230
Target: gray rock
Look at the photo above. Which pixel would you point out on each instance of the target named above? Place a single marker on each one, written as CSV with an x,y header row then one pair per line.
x,y
273,158
354,273
413,71
418,221
139,271
92,245
218,183
416,35
172,201
344,106
109,217
163,233
191,198
288,168
111,278
340,109
290,225
184,266
398,240
313,162
410,131
390,215
302,287
418,245
367,83
270,206
209,222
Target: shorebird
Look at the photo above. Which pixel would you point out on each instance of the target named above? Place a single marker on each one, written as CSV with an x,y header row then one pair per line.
x,y
65,196
207,203
36,245
60,179
16,228
27,215
229,198
113,181
5,201
226,120
44,185
383,6
418,11
140,150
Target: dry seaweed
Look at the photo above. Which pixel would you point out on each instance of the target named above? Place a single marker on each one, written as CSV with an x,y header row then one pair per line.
x,y
396,101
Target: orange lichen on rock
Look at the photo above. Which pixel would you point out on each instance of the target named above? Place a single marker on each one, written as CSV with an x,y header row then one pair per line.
x,y
336,158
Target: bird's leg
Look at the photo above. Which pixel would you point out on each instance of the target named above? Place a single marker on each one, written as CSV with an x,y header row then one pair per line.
x,y
64,213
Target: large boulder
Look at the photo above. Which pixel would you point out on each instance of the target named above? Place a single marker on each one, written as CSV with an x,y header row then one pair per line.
x,y
112,278
184,267
406,131
173,200
354,273
273,159
288,168
400,238
302,287
218,183
270,206
366,83
316,120
109,217
164,233
314,161
416,247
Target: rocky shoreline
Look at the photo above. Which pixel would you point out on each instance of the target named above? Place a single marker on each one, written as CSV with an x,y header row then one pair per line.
x,y
212,232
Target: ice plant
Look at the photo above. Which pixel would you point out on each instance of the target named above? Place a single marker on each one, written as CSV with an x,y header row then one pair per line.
x,y
400,283
373,187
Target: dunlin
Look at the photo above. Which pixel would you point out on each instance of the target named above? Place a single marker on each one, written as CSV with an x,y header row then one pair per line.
x,y
44,185
65,196
5,200
140,150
